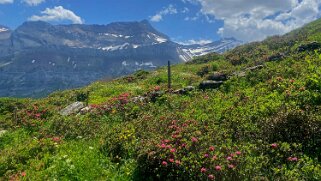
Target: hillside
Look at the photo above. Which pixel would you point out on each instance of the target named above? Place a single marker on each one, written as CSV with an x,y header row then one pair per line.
x,y
261,122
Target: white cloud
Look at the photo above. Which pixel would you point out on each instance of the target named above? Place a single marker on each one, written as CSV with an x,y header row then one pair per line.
x,y
156,18
190,1
192,42
6,1
57,13
33,2
185,10
168,10
251,20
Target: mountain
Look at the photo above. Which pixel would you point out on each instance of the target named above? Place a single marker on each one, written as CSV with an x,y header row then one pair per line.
x,y
38,58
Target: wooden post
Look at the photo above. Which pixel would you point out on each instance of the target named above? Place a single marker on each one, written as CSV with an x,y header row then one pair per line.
x,y
169,76
87,98
15,117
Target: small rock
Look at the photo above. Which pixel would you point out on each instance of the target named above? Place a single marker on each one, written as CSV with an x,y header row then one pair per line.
x,y
276,57
85,110
138,99
189,88
258,67
180,91
218,76
3,132
72,108
210,84
184,90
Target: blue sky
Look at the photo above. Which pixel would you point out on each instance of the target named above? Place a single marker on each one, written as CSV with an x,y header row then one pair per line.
x,y
186,21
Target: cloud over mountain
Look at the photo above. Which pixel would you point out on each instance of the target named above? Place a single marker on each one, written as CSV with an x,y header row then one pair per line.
x,y
168,10
57,14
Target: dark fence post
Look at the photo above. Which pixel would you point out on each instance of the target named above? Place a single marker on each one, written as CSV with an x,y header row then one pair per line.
x,y
169,76
87,98
15,117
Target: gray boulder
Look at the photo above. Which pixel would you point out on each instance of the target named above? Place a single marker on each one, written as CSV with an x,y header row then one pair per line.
x,y
189,88
218,76
72,108
258,67
139,99
309,46
210,84
184,90
276,57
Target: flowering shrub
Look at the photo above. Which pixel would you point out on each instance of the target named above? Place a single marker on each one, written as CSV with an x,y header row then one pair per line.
x,y
116,104
294,126
12,160
184,153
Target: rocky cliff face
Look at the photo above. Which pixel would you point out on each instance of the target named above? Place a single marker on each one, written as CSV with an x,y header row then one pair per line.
x,y
38,58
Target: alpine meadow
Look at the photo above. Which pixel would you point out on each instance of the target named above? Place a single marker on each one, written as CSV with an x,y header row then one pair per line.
x,y
250,113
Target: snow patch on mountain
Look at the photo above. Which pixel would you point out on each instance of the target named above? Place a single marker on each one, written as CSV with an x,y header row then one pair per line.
x,y
5,64
117,35
135,46
114,48
3,30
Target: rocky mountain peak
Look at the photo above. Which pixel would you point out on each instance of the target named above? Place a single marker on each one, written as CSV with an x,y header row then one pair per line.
x,y
42,57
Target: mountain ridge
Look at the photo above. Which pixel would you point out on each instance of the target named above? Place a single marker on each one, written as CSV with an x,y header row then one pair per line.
x,y
39,48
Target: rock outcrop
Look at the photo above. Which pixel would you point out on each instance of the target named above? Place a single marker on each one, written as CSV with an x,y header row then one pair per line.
x,y
309,46
72,108
210,84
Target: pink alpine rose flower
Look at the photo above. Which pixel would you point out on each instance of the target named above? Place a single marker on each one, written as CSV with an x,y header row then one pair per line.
x,y
212,148
164,163
211,177
23,174
203,170
274,145
194,139
295,159
218,168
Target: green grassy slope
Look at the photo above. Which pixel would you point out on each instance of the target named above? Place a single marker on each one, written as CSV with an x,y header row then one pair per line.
x,y
265,125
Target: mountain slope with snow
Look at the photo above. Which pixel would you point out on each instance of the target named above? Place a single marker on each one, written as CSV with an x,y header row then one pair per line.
x,y
38,58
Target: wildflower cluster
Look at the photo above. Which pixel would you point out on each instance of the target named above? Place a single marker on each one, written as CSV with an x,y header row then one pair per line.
x,y
116,104
184,150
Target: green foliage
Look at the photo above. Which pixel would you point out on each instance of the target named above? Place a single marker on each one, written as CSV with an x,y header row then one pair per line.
x,y
120,143
203,71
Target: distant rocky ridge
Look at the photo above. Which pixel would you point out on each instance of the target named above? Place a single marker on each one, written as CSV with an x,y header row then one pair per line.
x,y
38,58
